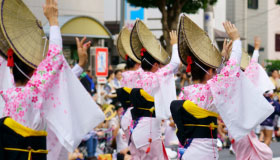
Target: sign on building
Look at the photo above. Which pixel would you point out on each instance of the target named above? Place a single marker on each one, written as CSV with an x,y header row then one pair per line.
x,y
132,13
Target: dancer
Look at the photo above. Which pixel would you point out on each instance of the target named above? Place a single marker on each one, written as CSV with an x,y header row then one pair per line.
x,y
153,92
225,93
49,100
249,147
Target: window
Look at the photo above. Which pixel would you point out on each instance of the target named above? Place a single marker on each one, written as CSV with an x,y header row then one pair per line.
x,y
277,42
253,4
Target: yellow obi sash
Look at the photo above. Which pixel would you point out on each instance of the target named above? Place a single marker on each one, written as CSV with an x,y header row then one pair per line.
x,y
24,132
199,113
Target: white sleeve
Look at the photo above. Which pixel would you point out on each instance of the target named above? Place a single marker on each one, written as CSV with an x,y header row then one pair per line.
x,y
55,36
175,60
236,52
77,70
255,55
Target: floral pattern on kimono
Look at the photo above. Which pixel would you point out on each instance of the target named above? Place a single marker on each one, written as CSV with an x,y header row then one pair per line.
x,y
54,100
227,93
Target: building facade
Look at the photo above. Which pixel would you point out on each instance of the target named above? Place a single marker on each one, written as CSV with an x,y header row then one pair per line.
x,y
257,18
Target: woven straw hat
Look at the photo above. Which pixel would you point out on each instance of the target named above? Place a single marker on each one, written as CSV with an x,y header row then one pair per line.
x,y
23,32
192,40
245,60
123,45
142,37
4,45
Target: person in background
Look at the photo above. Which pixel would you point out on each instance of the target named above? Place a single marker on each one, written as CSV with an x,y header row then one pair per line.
x,y
87,81
117,79
110,89
182,81
118,134
267,126
276,81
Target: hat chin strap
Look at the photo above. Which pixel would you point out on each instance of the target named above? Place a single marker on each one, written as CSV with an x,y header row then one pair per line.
x,y
144,59
25,75
202,68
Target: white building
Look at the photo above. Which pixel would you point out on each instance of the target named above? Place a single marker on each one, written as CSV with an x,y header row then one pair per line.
x,y
257,18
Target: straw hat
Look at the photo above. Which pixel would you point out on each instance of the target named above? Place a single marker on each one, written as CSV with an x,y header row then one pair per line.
x,y
192,40
245,60
23,32
142,37
110,113
123,45
4,45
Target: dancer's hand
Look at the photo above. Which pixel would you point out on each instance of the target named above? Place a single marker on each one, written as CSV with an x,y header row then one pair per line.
x,y
257,43
173,37
82,48
51,12
231,30
227,47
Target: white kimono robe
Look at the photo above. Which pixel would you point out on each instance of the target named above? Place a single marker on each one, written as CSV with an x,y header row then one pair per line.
x,y
231,94
54,100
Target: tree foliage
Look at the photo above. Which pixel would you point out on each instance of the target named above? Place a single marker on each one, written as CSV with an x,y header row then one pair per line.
x,y
272,65
188,6
170,10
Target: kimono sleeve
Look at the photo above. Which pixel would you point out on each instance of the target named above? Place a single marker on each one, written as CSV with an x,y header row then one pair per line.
x,y
67,108
6,78
234,95
257,75
166,92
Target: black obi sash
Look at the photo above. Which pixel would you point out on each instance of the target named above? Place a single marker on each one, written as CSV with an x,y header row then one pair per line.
x,y
18,142
143,104
193,121
123,95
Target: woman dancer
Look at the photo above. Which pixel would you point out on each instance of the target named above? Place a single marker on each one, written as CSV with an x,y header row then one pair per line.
x,y
224,93
43,101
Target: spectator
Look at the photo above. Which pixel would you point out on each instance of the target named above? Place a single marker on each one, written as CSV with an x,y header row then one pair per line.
x,y
110,89
117,79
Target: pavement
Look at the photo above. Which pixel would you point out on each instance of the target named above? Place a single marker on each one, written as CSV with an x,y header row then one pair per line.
x,y
275,146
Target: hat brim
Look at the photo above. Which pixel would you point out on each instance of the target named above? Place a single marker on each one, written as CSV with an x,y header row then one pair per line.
x,y
4,46
193,40
23,32
142,37
123,45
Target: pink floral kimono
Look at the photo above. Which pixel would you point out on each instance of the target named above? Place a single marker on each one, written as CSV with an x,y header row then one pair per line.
x,y
249,147
231,94
161,86
55,101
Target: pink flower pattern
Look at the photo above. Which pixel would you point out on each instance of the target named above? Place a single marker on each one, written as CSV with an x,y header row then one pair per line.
x,y
21,103
146,80
201,94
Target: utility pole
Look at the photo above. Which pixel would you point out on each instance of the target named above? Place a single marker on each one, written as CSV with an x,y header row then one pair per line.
x,y
122,14
209,22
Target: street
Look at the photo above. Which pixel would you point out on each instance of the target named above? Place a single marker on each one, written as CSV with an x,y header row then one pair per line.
x,y
225,155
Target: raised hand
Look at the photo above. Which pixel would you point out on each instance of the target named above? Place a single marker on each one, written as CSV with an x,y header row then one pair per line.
x,y
51,12
82,48
231,30
227,47
173,37
257,41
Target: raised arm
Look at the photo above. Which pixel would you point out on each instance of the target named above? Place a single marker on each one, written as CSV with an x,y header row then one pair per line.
x,y
255,57
82,48
173,66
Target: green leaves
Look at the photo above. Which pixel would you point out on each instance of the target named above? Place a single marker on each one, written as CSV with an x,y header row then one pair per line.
x,y
272,65
189,6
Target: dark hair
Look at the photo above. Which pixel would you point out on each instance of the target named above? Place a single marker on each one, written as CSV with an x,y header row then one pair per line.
x,y
18,76
148,62
110,72
196,71
130,63
117,71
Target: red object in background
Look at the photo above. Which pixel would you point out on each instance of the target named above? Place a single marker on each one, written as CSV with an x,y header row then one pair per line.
x,y
101,62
